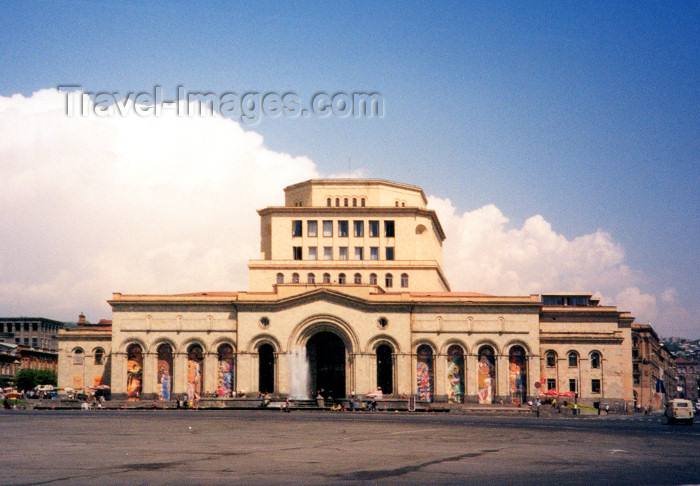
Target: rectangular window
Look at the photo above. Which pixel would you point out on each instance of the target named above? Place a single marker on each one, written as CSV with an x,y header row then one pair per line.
x,y
296,228
26,341
572,385
595,386
297,252
551,360
26,326
374,253
358,228
551,384
328,228
635,353
35,326
312,228
34,342
17,326
313,253
374,229
343,253
389,229
343,229
359,253
328,253
389,252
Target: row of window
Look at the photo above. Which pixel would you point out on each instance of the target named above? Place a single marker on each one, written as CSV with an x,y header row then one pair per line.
x,y
595,385
345,201
343,228
343,253
18,326
79,355
551,359
342,279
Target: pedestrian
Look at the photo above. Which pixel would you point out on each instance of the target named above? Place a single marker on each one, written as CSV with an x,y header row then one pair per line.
x,y
286,405
607,409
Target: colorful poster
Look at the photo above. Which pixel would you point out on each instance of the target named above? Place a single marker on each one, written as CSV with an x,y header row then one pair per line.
x,y
455,376
165,372
225,377
134,370
97,380
424,374
517,376
487,378
195,361
77,381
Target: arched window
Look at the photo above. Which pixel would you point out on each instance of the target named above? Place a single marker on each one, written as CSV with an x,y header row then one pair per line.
x,y
385,369
487,375
280,278
295,278
328,202
455,374
358,278
573,359
424,372
341,278
78,356
345,202
195,371
326,278
266,368
373,279
404,280
224,372
165,371
362,202
551,359
311,278
517,374
595,360
388,280
337,201
134,371
354,202
99,356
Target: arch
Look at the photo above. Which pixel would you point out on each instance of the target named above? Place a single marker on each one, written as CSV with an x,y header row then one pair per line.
x,y
341,278
517,373
165,353
596,359
455,373
516,342
380,339
99,355
486,372
337,201
326,278
153,349
310,278
357,279
134,370
362,202
572,358
195,369
280,278
354,202
425,370
550,357
454,342
485,342
328,202
373,279
124,346
295,278
404,280
303,331
388,280
263,338
184,348
78,356
345,202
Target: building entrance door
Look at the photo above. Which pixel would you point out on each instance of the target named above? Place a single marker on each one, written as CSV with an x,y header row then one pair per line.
x,y
326,354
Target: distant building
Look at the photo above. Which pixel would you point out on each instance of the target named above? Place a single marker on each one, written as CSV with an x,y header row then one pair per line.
x,y
688,374
349,283
34,344
653,369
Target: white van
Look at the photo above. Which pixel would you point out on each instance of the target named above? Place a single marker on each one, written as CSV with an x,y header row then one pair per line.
x,y
679,410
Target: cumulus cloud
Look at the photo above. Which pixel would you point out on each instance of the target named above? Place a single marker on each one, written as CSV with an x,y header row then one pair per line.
x,y
482,253
92,205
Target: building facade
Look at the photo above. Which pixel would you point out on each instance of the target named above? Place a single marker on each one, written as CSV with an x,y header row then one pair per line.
x,y
688,378
31,343
349,295
654,375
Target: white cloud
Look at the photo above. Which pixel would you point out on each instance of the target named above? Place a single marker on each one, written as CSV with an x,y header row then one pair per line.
x,y
89,206
93,205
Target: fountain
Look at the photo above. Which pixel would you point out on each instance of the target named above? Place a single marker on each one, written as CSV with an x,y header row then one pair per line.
x,y
299,374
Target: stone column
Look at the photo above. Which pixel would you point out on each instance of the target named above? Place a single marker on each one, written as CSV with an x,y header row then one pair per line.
x,y
471,363
149,384
179,373
502,386
439,378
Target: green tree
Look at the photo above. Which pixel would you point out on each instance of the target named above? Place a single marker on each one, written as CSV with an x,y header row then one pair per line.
x,y
27,379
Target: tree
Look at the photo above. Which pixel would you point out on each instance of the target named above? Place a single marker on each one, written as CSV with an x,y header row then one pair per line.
x,y
27,379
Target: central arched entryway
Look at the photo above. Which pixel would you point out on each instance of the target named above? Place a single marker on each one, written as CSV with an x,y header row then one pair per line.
x,y
326,354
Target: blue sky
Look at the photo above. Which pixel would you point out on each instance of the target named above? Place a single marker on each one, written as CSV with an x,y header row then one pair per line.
x,y
586,114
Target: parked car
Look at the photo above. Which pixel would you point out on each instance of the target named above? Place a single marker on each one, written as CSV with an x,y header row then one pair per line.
x,y
679,410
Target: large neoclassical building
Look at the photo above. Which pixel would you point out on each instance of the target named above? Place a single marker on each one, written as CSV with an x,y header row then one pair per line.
x,y
349,295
